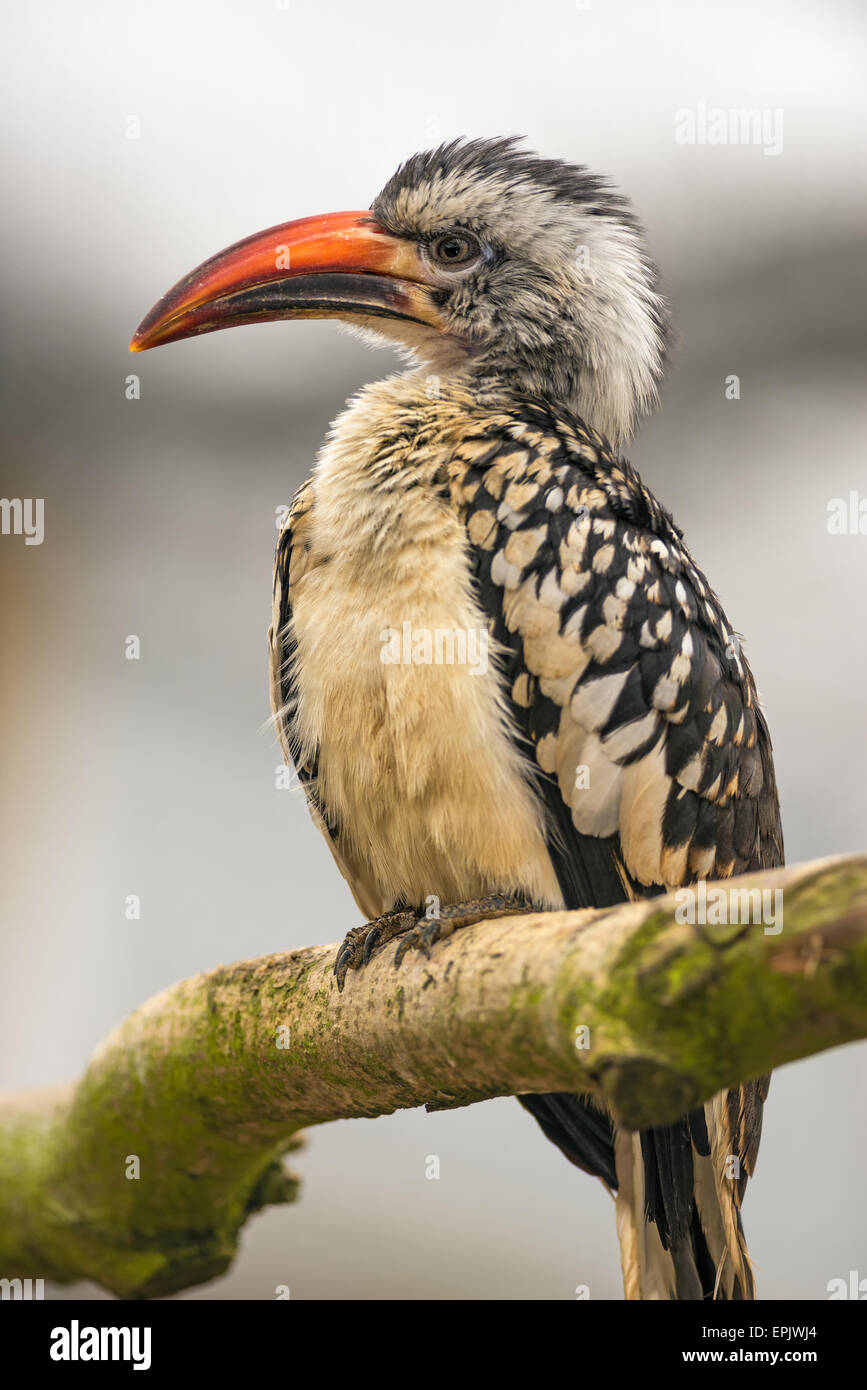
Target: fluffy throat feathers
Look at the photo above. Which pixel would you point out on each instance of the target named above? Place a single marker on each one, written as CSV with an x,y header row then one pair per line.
x,y
382,476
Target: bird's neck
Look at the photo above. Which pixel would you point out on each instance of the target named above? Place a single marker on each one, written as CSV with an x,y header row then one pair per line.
x,y
605,369
496,384
608,392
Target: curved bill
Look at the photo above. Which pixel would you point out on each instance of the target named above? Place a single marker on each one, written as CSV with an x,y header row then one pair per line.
x,y
340,265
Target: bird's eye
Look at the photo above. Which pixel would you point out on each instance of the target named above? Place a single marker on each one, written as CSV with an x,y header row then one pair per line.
x,y
455,250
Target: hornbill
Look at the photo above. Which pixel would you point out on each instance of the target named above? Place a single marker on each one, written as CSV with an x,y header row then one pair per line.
x,y
613,747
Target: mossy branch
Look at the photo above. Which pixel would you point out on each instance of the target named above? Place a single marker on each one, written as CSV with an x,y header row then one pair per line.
x,y
207,1083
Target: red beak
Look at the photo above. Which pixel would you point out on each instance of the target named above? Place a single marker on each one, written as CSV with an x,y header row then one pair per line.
x,y
341,265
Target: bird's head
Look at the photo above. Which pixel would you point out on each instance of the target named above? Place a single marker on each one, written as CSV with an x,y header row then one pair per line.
x,y
477,257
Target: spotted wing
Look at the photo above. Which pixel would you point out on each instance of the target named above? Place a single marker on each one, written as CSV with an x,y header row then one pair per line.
x,y
623,670
636,704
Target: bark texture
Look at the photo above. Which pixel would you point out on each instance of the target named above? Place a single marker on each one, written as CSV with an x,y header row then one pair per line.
x,y
209,1082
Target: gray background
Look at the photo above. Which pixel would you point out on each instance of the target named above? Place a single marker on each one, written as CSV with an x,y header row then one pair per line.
x,y
155,777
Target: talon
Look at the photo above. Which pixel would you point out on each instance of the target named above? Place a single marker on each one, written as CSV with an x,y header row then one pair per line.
x,y
409,943
346,957
370,944
360,943
341,965
424,935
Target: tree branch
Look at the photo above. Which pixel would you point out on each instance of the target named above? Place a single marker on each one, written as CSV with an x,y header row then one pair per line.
x,y
207,1083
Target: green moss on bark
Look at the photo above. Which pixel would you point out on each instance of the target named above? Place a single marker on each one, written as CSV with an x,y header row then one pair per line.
x,y
195,1086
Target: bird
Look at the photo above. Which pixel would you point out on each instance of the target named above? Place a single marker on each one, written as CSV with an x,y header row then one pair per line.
x,y
503,680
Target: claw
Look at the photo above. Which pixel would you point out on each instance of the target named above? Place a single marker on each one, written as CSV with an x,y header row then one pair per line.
x,y
361,942
370,943
424,935
341,965
403,948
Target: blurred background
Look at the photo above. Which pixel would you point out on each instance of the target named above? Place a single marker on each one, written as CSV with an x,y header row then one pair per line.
x,y
137,140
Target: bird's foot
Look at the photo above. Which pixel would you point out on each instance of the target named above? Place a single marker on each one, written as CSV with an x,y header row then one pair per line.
x,y
419,931
360,943
428,930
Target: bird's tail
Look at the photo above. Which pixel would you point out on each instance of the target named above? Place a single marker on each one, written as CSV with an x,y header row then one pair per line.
x,y
678,1203
678,1189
